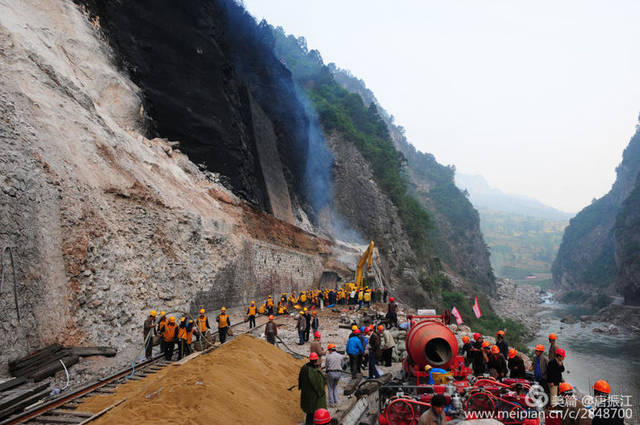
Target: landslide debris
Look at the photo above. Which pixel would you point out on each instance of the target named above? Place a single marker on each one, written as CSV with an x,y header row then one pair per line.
x,y
246,378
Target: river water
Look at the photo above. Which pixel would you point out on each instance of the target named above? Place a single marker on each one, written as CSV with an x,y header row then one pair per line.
x,y
592,356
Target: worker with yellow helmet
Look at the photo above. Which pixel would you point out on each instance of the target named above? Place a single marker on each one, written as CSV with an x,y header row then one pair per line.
x,y
251,314
149,325
224,322
169,333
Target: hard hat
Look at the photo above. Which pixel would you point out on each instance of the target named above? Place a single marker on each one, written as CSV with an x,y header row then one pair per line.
x,y
305,309
540,347
269,296
314,312
202,311
316,334
162,313
321,416
172,319
564,387
363,329
465,339
224,309
301,312
153,313
477,336
190,321
500,332
182,319
512,353
313,356
253,302
560,352
553,337
495,349
392,299
271,317
354,327
427,367
602,386
331,347
380,328
486,344
357,332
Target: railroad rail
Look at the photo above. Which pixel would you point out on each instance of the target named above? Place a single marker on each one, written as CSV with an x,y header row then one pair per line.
x,y
63,408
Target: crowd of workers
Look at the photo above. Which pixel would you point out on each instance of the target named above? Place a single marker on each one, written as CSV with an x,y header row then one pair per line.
x,y
369,346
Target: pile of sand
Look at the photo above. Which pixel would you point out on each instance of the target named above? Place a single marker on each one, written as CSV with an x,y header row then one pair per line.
x,y
244,382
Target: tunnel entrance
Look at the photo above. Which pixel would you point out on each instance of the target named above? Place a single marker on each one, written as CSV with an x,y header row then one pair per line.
x,y
438,351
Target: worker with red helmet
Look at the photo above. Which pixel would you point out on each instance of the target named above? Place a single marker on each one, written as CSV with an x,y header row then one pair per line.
x,y
555,367
315,346
477,356
607,412
311,384
553,338
271,330
333,368
496,363
515,364
321,417
392,312
355,351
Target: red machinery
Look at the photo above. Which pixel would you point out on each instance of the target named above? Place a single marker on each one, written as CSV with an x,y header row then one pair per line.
x,y
429,342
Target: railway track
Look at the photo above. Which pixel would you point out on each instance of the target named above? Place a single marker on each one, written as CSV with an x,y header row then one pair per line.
x,y
63,409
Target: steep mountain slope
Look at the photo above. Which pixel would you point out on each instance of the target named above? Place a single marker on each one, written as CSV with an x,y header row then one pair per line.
x,y
106,223
455,236
598,246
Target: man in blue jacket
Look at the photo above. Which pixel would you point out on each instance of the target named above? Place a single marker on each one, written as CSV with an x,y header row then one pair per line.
x,y
355,350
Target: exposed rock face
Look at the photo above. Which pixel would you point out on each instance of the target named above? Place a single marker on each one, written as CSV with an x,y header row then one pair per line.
x,y
354,188
599,247
106,223
456,236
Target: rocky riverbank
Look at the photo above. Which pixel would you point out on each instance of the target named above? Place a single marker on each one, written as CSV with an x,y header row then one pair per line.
x,y
519,302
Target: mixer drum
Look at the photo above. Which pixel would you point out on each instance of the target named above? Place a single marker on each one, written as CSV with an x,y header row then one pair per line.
x,y
431,343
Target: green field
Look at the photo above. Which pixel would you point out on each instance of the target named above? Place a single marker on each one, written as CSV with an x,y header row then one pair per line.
x,y
521,246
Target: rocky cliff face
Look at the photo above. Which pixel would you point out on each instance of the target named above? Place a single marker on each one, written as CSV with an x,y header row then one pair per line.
x,y
106,223
599,245
455,237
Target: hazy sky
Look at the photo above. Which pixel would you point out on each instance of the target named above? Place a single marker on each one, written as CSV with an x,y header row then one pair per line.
x,y
540,97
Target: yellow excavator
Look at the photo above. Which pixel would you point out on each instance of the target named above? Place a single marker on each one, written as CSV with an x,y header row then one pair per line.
x,y
367,258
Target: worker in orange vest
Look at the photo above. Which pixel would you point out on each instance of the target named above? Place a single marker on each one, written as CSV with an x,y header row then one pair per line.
x,y
203,324
269,305
223,324
168,332
251,312
182,338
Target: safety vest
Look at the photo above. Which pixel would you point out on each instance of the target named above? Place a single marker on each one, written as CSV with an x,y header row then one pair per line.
x,y
252,310
169,332
189,335
367,296
281,310
303,298
162,322
202,323
182,333
360,295
269,302
223,321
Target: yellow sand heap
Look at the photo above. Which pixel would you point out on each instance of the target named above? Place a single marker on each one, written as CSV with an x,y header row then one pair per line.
x,y
245,381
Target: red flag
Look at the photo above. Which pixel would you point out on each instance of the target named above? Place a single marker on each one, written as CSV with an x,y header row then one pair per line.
x,y
457,315
476,309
